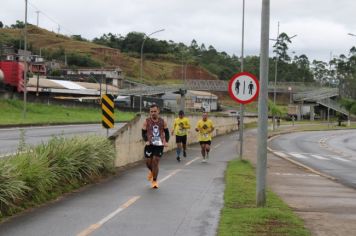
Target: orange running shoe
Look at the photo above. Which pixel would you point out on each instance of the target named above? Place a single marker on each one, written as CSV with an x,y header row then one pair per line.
x,y
154,184
149,176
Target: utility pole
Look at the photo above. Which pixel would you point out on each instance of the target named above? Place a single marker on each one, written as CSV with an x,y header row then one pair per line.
x,y
38,17
242,106
275,82
25,62
263,108
141,67
58,29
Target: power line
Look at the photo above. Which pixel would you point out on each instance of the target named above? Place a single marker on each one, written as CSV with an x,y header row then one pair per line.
x,y
60,26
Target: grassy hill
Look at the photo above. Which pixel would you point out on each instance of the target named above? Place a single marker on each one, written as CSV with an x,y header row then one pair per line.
x,y
52,44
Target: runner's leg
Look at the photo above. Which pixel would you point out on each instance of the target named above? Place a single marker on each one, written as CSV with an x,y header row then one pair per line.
x,y
155,170
184,144
155,167
202,150
149,166
179,149
207,150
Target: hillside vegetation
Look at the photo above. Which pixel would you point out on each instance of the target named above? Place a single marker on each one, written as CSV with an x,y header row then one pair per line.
x,y
82,53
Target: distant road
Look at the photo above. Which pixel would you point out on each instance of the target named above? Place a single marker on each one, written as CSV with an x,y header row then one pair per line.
x,y
10,137
330,152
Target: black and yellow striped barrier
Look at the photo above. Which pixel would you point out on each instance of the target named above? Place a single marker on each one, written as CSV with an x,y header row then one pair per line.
x,y
107,107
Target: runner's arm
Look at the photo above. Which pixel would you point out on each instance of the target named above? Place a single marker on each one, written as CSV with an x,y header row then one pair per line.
x,y
166,131
187,125
174,127
144,132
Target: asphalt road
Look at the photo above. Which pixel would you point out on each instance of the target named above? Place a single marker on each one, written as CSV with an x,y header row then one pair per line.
x,y
188,201
330,152
10,137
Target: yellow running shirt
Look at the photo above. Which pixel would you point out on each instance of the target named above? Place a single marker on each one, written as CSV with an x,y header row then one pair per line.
x,y
205,128
181,126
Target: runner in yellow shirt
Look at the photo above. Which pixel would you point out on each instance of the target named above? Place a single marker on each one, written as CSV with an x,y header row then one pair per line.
x,y
205,127
181,126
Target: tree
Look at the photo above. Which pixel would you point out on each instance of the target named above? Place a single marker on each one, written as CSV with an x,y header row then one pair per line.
x,y
320,71
1,25
78,37
281,47
19,25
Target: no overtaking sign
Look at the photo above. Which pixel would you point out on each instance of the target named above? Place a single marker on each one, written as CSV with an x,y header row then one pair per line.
x,y
244,87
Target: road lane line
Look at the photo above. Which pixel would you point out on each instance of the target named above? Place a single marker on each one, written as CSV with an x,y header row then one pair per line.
x,y
170,175
297,155
190,162
339,158
217,145
100,223
319,157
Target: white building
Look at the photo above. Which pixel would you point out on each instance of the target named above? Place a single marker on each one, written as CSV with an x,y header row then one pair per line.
x,y
194,100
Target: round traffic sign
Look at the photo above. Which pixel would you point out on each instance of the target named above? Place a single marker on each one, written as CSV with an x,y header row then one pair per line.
x,y
244,87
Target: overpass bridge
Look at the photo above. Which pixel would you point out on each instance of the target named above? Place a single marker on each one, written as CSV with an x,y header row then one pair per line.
x,y
301,93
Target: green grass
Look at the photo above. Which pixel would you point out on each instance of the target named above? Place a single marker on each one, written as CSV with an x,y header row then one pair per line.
x,y
12,114
241,217
40,174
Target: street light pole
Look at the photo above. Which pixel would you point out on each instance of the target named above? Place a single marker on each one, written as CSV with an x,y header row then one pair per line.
x,y
242,106
141,68
261,169
275,82
25,73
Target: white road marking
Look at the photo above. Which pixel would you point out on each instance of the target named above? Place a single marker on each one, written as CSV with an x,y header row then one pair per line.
x,y
340,159
319,157
296,174
190,162
297,155
217,145
170,175
97,225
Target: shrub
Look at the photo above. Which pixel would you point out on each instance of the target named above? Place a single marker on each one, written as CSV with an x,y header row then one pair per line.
x,y
39,174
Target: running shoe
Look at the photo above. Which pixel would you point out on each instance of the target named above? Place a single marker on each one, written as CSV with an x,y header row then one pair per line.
x,y
154,184
178,158
149,176
184,154
204,160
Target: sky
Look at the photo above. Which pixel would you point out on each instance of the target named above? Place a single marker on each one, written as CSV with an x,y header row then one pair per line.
x,y
321,26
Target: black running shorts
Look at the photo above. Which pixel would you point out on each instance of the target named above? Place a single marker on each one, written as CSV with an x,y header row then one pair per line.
x,y
151,151
181,139
205,142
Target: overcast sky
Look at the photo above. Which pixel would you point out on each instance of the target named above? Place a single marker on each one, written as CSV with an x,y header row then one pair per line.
x,y
321,26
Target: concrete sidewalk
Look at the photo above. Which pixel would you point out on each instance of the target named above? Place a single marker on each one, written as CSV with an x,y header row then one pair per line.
x,y
327,207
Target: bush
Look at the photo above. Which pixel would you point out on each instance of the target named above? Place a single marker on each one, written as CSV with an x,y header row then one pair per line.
x,y
39,174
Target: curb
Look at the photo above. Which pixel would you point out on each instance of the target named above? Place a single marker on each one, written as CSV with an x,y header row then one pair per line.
x,y
296,162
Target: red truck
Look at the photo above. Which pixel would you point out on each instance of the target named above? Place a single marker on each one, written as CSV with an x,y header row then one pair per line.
x,y
13,72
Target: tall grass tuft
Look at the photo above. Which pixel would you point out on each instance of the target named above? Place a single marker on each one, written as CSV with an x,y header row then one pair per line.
x,y
38,174
12,189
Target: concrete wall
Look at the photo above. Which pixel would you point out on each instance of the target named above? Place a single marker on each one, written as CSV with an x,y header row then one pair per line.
x,y
129,144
